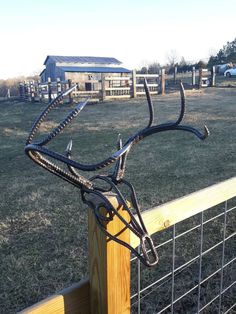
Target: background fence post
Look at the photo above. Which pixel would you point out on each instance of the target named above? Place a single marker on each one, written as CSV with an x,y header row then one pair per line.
x,y
49,90
26,90
193,77
134,94
163,83
109,265
40,94
8,93
103,86
70,95
175,73
213,76
200,78
59,90
21,91
32,91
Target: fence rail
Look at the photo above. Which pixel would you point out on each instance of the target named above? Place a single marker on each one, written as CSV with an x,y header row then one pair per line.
x,y
166,215
108,288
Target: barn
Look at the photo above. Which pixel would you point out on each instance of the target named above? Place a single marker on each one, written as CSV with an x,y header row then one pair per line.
x,y
80,68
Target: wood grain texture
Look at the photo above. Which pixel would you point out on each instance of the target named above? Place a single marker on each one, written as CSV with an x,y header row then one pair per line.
x,y
109,268
73,300
168,214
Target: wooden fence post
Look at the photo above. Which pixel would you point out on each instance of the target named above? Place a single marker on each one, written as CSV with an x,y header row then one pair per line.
x,y
59,90
37,84
49,90
175,73
36,89
163,83
213,76
40,94
103,83
32,91
8,95
134,90
193,77
70,95
21,91
109,265
26,90
200,78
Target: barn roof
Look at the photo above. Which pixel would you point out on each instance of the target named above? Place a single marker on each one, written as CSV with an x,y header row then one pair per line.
x,y
42,72
95,69
101,60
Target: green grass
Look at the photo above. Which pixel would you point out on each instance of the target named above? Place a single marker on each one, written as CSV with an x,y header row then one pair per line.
x,y
43,226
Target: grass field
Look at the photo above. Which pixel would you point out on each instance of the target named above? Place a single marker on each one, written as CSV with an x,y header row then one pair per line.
x,y
43,225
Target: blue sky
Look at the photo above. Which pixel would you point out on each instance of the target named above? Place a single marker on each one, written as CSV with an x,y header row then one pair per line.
x,y
135,32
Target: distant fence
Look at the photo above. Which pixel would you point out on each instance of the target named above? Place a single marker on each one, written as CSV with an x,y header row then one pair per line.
x,y
109,87
208,284
116,87
193,79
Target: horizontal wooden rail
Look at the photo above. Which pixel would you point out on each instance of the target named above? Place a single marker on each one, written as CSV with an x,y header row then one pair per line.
x,y
117,78
86,92
149,85
168,214
117,96
147,75
143,93
73,300
117,88
89,81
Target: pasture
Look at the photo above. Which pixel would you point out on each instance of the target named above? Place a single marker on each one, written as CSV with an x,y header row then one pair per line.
x,y
43,225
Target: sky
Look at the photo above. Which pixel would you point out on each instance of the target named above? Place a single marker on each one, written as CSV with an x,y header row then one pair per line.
x,y
136,32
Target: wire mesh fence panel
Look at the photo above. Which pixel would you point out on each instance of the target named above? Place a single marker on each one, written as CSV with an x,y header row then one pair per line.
x,y
224,81
197,270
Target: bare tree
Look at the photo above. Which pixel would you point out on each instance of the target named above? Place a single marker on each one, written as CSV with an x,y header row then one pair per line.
x,y
172,57
154,67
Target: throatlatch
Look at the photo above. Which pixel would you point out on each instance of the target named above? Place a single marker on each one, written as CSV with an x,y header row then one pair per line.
x,y
102,185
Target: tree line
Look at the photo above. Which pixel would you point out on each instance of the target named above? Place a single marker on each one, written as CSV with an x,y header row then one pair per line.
x,y
183,67
12,85
227,54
